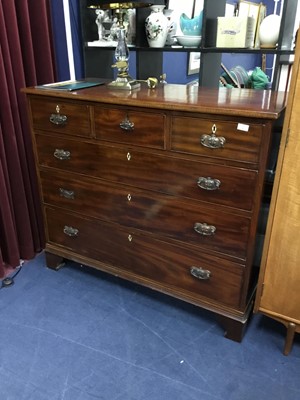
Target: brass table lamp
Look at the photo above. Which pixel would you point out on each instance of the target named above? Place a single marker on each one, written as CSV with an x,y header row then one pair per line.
x,y
123,79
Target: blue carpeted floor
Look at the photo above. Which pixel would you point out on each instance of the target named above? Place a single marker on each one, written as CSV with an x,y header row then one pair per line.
x,y
80,335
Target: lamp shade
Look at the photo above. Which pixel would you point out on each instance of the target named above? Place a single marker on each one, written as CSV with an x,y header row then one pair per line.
x,y
112,5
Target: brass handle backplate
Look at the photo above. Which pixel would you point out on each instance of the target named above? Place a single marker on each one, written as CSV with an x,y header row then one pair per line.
x,y
212,141
61,154
208,183
68,194
204,229
200,273
127,125
58,119
69,231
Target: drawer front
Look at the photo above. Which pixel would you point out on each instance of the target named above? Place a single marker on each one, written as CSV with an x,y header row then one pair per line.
x,y
158,263
131,127
162,215
67,118
221,139
223,185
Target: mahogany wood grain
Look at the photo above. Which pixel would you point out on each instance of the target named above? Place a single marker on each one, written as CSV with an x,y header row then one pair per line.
x,y
160,172
164,216
242,139
164,264
257,104
148,129
78,117
125,198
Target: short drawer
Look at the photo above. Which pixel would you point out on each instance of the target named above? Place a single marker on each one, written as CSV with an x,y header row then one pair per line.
x,y
146,260
131,127
222,185
162,215
221,139
60,116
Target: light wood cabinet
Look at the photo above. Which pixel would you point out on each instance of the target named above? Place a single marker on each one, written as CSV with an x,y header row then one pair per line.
x,y
278,294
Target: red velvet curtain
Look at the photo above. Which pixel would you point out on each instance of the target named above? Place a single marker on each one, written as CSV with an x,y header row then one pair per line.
x,y
26,59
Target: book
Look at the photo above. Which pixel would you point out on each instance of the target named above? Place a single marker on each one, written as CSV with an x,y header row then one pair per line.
x,y
70,86
254,10
261,15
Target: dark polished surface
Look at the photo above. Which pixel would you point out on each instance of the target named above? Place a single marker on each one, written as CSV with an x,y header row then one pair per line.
x,y
241,102
119,174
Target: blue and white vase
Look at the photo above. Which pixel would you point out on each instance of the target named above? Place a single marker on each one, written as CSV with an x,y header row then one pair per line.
x,y
156,25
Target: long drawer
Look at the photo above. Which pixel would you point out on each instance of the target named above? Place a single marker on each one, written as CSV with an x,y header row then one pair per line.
x,y
220,139
158,214
223,185
170,267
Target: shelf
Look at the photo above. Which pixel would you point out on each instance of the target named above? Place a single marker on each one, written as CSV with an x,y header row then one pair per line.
x,y
201,49
149,49
245,50
149,60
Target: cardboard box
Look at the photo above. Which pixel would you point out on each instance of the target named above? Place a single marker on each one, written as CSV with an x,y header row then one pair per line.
x,y
235,32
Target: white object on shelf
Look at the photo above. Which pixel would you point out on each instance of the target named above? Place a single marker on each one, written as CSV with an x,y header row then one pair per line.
x,y
189,41
269,31
157,27
235,32
172,27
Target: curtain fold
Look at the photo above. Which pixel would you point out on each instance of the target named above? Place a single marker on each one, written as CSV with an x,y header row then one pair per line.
x,y
26,59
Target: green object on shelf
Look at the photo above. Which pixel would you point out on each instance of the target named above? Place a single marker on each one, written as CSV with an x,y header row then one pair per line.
x,y
258,79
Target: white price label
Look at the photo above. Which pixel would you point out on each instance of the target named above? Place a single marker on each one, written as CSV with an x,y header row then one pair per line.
x,y
243,127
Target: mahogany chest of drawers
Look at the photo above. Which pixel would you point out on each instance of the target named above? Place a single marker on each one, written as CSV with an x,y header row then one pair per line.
x,y
161,187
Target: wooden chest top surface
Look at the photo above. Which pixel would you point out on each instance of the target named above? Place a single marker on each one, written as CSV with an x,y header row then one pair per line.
x,y
263,104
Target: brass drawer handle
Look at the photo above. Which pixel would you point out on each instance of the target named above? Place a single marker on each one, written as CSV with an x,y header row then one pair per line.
x,y
208,183
61,154
212,141
68,194
69,231
204,229
200,273
58,119
127,125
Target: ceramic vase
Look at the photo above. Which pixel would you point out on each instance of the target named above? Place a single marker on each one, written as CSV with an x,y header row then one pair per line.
x,y
156,26
191,26
269,31
172,27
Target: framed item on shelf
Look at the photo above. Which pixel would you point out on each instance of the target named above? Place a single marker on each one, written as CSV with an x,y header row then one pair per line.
x,y
193,63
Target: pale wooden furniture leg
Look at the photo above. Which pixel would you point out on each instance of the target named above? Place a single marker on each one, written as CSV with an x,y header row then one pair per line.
x,y
291,329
